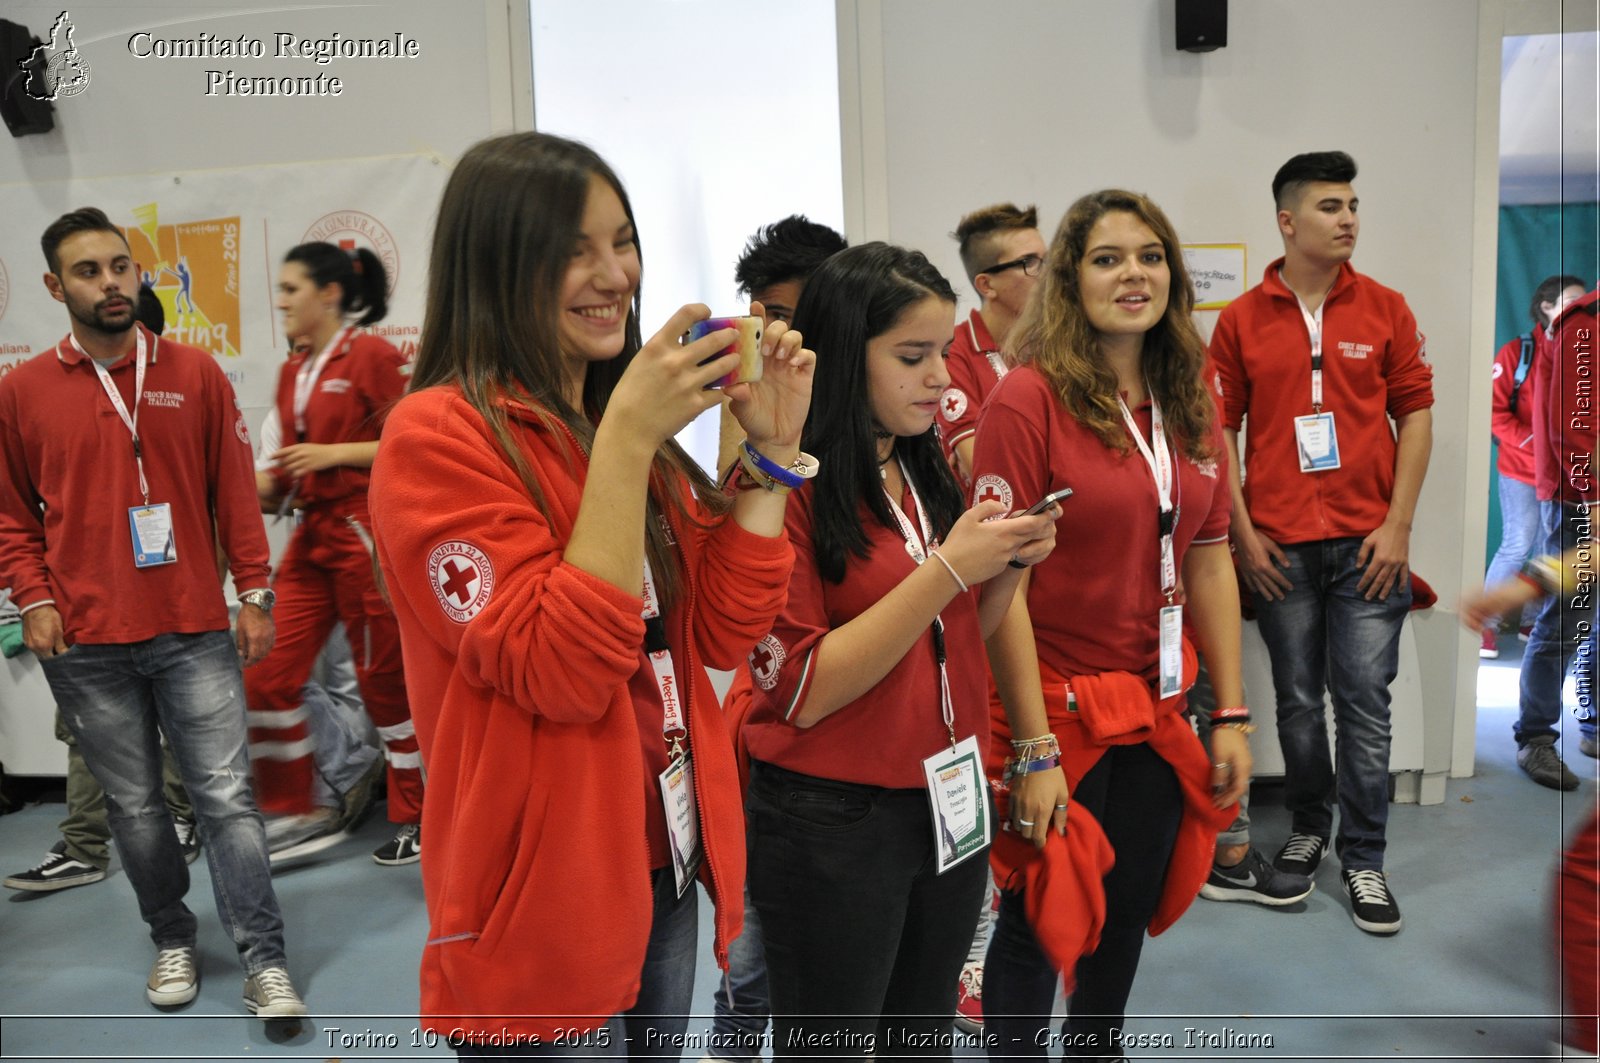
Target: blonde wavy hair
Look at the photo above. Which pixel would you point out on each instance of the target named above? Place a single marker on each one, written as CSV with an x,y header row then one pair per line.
x,y
1054,334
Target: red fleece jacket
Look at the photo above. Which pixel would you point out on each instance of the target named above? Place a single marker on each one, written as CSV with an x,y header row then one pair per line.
x,y
536,871
1064,884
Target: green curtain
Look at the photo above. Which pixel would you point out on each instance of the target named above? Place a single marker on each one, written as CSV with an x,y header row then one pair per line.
x,y
1536,241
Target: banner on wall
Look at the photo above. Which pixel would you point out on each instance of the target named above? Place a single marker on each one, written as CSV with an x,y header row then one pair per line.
x,y
211,242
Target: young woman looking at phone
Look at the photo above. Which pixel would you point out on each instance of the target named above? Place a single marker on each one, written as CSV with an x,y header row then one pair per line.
x,y
562,572
875,668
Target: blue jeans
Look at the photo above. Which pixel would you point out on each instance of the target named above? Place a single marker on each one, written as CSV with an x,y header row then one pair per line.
x,y
742,1010
1563,635
1520,530
864,938
1133,794
118,700
1323,635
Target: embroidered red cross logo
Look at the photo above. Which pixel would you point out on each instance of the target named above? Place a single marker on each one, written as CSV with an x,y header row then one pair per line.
x,y
990,494
950,404
458,580
762,658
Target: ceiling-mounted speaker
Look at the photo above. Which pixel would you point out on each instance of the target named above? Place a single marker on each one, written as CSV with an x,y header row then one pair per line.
x,y
1202,25
20,58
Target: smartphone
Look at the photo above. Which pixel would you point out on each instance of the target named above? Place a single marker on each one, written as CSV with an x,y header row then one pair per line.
x,y
1047,501
747,345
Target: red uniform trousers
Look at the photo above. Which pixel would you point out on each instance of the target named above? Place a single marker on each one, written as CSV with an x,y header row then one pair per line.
x,y
325,576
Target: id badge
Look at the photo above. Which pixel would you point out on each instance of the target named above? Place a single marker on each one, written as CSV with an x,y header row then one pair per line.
x,y
960,799
153,543
683,820
1171,651
1317,441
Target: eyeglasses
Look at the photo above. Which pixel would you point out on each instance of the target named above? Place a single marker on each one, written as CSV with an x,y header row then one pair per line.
x,y
1029,264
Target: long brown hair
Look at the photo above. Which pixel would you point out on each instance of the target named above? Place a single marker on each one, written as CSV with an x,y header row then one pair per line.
x,y
504,237
1055,337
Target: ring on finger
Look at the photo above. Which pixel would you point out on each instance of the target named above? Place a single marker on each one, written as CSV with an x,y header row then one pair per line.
x,y
1024,822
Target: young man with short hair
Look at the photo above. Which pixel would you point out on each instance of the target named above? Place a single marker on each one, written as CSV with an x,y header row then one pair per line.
x,y
125,461
1315,361
1003,254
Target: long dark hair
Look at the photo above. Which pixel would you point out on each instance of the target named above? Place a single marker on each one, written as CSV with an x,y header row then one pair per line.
x,y
1054,334
360,275
507,226
853,297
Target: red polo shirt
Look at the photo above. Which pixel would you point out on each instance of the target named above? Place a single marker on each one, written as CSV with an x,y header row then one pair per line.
x,y
1514,428
975,367
1096,600
881,738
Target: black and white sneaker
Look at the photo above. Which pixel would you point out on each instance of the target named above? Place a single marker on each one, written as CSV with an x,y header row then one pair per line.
x,y
1372,906
1301,854
188,838
404,848
1253,879
58,872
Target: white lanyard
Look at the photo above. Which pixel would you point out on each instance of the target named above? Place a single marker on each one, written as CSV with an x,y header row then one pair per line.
x,y
919,551
131,420
666,684
1160,462
1314,327
997,363
305,381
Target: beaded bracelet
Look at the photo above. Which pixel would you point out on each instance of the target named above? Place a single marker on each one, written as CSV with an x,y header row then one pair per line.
x,y
1027,748
792,477
1244,727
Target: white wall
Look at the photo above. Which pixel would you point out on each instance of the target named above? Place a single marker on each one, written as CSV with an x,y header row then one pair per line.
x,y
1042,100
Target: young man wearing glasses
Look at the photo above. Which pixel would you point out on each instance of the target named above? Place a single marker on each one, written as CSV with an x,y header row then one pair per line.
x,y
1003,253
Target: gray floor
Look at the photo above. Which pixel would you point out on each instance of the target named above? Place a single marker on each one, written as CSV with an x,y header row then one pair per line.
x,y
1470,976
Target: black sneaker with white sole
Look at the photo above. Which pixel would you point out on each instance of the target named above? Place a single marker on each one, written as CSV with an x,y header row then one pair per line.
x,y
1301,854
404,848
1372,906
1253,879
58,871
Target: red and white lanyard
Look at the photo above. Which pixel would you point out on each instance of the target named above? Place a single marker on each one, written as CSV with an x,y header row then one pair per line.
x,y
673,728
919,549
131,420
996,362
1159,459
305,381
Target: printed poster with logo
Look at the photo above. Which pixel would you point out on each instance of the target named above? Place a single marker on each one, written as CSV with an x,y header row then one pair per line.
x,y
211,243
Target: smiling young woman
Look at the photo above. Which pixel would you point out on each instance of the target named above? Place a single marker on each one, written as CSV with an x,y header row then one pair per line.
x,y
1109,401
562,572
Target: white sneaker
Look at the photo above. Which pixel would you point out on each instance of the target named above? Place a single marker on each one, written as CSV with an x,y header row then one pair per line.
x,y
174,979
270,995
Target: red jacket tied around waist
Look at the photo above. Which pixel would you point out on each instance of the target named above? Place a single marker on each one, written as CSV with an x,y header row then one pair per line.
x,y
1064,883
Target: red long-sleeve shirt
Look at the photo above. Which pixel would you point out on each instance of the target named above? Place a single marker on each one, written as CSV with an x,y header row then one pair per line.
x,y
1566,424
1372,369
70,478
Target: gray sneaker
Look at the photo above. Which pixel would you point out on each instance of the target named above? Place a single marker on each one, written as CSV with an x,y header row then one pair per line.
x,y
1253,879
270,995
1544,765
174,979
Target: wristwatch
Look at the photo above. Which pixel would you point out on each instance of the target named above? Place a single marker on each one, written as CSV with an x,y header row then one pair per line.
x,y
262,598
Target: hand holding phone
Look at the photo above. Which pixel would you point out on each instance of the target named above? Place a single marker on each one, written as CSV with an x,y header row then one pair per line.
x,y
747,345
1047,501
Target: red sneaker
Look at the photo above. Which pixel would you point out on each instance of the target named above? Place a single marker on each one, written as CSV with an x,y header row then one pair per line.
x,y
1488,650
969,999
